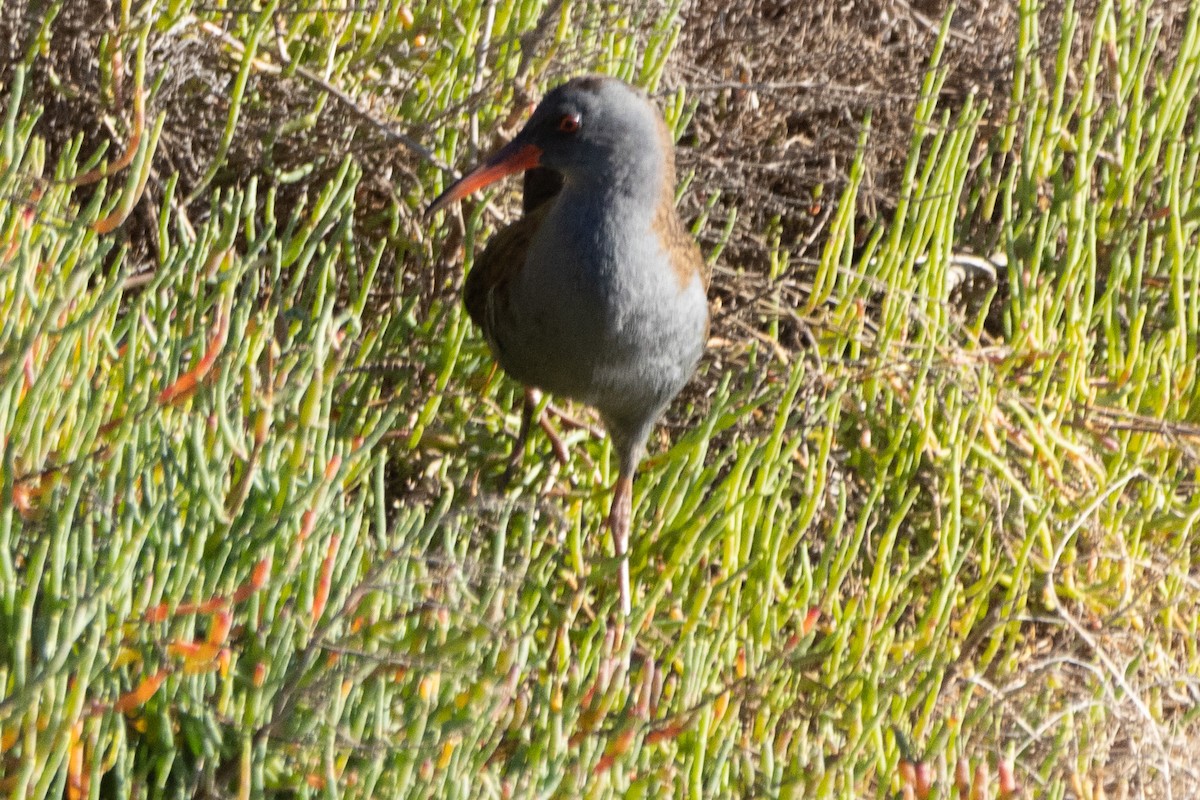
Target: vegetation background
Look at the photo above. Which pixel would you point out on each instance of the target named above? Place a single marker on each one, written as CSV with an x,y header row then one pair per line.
x,y
923,525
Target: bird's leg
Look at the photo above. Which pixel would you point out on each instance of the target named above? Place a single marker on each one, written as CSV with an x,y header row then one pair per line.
x,y
556,442
618,522
528,408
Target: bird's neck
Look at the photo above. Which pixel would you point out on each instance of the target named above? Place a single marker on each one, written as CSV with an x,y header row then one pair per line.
x,y
627,194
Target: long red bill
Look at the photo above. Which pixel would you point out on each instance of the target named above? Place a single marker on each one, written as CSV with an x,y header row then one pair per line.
x,y
513,157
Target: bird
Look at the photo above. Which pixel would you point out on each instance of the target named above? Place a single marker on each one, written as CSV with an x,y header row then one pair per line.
x,y
599,292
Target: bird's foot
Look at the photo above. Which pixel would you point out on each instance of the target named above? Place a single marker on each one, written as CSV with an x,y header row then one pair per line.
x,y
574,423
529,407
556,442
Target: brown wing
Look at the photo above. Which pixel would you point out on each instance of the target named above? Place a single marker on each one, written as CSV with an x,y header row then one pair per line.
x,y
681,247
682,250
487,283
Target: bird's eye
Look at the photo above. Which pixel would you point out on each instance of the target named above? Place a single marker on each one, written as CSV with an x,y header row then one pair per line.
x,y
569,123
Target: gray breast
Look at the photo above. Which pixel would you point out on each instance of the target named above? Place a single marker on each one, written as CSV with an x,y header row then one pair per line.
x,y
600,317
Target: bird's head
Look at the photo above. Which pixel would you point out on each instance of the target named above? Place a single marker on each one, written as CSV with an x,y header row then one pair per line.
x,y
589,127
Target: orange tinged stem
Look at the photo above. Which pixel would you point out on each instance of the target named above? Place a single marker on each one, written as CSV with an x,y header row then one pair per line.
x,y
258,579
185,386
193,652
78,779
617,747
158,613
219,662
141,693
332,467
665,734
215,605
126,158
322,594
222,621
308,521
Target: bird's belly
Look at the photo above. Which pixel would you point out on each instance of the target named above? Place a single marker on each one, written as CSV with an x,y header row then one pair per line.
x,y
617,356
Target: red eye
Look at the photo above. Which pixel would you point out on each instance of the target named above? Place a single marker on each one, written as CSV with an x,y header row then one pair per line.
x,y
569,123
